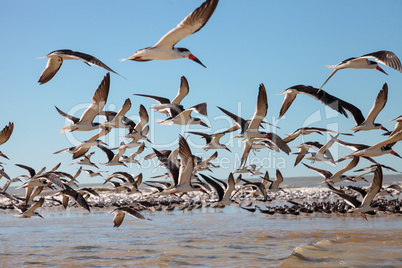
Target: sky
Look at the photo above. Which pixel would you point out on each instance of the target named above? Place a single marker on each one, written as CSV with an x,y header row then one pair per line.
x,y
244,44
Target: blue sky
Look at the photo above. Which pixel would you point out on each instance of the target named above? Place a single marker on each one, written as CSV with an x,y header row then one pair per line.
x,y
245,43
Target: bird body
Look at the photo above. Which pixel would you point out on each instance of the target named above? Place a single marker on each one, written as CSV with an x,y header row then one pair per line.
x,y
165,48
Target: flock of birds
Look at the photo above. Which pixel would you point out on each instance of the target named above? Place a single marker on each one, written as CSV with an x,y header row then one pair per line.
x,y
182,167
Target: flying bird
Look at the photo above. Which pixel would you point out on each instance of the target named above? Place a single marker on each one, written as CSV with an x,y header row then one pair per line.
x,y
5,135
85,122
57,57
173,108
365,205
120,212
165,48
364,124
385,57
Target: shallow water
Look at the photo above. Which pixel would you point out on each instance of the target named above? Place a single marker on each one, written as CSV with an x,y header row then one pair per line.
x,y
204,237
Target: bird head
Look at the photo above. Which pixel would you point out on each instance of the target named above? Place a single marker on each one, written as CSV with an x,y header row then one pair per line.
x,y
380,69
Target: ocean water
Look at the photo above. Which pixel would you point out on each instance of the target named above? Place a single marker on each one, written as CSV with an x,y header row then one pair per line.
x,y
206,237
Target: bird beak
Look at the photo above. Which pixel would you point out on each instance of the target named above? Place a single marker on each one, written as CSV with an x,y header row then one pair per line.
x,y
148,141
228,149
394,153
194,58
381,70
203,124
40,216
3,155
383,128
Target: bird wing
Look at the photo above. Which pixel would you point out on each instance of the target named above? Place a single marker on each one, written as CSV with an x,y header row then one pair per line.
x,y
89,59
118,218
391,140
36,205
326,174
302,152
218,188
133,213
260,109
385,57
379,104
351,200
160,100
108,152
30,170
70,118
246,152
348,167
123,110
375,186
279,142
144,118
200,108
77,197
183,91
333,72
186,162
189,25
52,66
243,124
6,133
173,169
99,100
278,180
325,148
207,137
290,96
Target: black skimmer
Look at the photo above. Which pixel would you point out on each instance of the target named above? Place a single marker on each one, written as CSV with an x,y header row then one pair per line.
x,y
70,192
310,130
173,108
82,148
321,154
373,167
120,212
27,212
129,179
184,118
259,185
5,135
182,175
274,186
378,149
117,121
113,159
364,124
200,164
385,57
57,57
165,48
398,126
273,142
139,131
92,173
85,123
304,147
224,190
337,176
365,205
130,159
320,95
250,130
86,160
212,140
